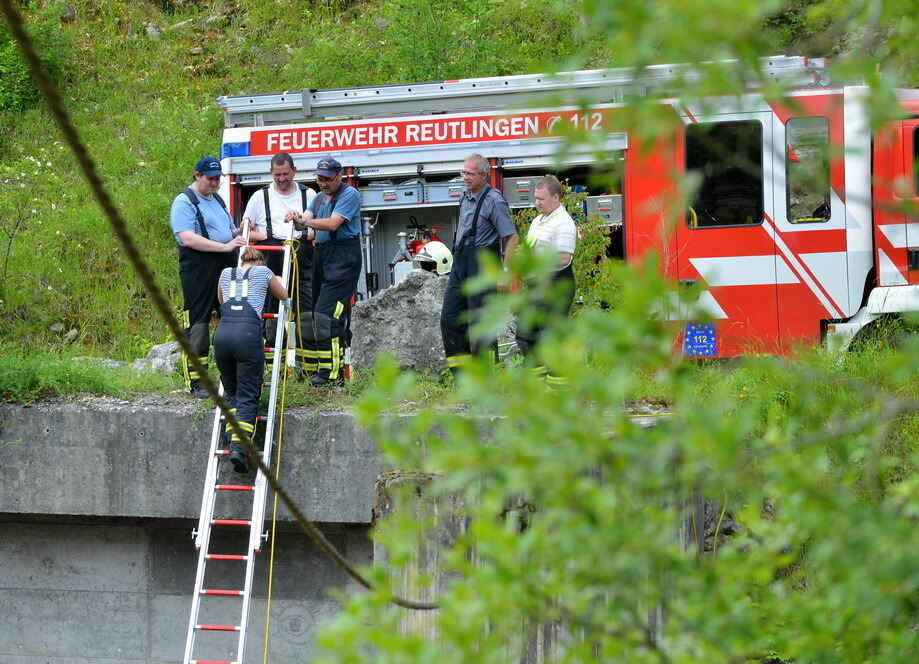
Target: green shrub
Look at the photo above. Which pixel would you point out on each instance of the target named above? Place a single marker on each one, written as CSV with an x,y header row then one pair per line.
x,y
53,43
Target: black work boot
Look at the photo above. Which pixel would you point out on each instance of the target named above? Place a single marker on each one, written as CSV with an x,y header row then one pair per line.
x,y
320,379
197,390
240,460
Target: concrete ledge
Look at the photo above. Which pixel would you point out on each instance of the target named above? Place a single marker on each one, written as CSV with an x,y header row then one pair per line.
x,y
106,457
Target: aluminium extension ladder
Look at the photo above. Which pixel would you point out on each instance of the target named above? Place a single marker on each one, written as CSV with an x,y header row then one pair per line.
x,y
222,596
497,92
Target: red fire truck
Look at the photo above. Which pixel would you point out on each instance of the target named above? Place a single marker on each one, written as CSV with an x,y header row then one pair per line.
x,y
801,222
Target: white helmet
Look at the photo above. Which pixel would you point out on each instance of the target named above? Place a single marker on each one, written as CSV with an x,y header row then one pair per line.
x,y
437,253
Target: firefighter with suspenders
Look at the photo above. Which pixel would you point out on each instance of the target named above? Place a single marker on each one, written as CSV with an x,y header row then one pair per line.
x,y
238,350
335,215
270,210
484,223
208,242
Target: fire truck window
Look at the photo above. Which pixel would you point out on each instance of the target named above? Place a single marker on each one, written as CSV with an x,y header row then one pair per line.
x,y
807,172
728,157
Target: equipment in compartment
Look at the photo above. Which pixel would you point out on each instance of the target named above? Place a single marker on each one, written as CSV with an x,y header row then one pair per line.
x,y
409,245
391,221
608,207
388,194
401,263
519,192
444,192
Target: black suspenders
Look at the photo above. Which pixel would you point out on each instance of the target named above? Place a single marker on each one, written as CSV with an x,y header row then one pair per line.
x,y
475,220
193,198
268,206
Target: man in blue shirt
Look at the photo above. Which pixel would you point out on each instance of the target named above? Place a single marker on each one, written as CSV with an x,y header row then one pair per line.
x,y
335,216
208,242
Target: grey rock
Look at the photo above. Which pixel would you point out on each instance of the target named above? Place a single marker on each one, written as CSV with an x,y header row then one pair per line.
x,y
161,359
403,320
71,336
153,32
197,50
57,328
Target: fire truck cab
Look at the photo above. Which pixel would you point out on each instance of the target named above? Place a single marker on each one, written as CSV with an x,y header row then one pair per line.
x,y
792,217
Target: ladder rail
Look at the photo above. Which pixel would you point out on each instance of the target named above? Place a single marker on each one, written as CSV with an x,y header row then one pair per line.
x,y
204,539
208,494
206,519
261,483
210,478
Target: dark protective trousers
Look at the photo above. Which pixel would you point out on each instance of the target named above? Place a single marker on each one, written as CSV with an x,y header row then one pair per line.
x,y
304,303
240,357
336,269
460,309
549,308
199,273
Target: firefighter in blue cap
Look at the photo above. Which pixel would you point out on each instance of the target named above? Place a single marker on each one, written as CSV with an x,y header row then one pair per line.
x,y
208,242
335,216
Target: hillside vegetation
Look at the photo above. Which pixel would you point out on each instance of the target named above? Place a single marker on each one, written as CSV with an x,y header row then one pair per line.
x,y
141,80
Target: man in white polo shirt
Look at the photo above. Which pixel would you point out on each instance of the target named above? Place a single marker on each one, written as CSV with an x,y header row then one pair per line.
x,y
554,232
270,211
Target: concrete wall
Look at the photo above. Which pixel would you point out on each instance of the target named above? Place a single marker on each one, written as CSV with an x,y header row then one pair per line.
x,y
97,504
147,459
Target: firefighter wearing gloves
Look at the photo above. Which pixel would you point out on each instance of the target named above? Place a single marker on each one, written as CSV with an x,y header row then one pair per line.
x,y
552,231
208,242
335,216
270,210
238,348
484,224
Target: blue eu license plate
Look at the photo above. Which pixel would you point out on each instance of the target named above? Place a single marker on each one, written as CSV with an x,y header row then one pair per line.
x,y
700,340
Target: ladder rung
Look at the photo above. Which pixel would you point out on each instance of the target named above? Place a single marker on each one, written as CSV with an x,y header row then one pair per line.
x,y
222,452
230,522
226,556
234,487
218,628
211,661
268,247
261,418
269,315
229,593
269,350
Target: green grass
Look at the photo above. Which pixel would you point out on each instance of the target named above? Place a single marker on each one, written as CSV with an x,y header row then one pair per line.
x,y
141,82
45,376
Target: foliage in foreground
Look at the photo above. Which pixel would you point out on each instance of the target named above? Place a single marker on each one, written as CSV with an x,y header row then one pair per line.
x,y
565,515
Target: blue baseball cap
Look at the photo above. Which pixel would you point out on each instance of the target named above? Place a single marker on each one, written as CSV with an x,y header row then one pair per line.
x,y
209,166
328,167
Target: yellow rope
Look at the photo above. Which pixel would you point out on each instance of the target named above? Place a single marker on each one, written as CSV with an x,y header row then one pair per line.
x,y
119,228
294,283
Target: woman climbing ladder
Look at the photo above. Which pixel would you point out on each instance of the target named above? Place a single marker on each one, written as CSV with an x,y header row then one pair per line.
x,y
238,347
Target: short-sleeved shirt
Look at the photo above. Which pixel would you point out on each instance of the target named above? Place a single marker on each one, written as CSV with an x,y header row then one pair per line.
x,y
494,218
280,204
345,202
259,276
217,220
554,232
